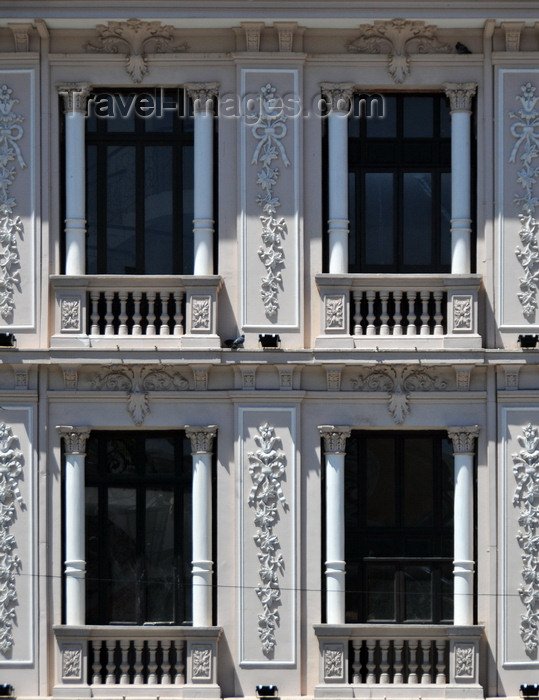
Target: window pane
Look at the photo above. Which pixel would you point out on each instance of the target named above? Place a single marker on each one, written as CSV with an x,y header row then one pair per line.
x,y
418,482
381,593
386,126
91,209
160,455
445,119
122,555
121,456
352,239
123,115
188,208
447,592
417,117
445,223
121,210
378,234
418,593
380,483
160,562
158,211
92,555
166,111
417,219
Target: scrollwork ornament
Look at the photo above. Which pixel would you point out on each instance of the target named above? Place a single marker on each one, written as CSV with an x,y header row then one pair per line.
x,y
267,468
268,131
11,464
526,497
137,381
525,130
11,227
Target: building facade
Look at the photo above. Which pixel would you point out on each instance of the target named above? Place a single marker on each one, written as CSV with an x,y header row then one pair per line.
x,y
268,384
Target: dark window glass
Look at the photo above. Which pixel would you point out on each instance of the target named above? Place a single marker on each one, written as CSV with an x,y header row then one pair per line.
x,y
400,204
138,527
399,527
140,205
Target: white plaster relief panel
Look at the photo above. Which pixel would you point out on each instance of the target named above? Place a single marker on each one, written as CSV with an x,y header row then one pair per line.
x,y
270,200
268,537
17,198
518,196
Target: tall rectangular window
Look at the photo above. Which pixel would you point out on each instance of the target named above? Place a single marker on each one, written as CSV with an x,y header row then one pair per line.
x,y
399,527
138,527
140,171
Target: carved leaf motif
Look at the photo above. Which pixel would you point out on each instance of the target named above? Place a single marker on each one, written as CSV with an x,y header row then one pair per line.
x,y
398,407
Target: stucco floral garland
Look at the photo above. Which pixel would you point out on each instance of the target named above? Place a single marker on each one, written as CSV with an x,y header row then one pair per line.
x,y
267,470
268,131
526,471
11,227
11,463
525,129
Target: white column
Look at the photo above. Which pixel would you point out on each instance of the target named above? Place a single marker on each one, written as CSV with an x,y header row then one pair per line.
x,y
201,445
463,523
75,100
75,561
460,97
338,97
202,95
335,447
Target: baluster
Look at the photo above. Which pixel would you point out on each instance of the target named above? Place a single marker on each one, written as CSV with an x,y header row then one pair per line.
x,y
412,663
94,317
97,679
164,329
425,328
384,663
124,662
384,316
371,662
426,678
109,328
412,328
122,330
110,648
438,316
358,330
356,663
180,664
152,662
137,330
178,316
398,663
371,330
397,316
150,298
165,663
138,665
440,662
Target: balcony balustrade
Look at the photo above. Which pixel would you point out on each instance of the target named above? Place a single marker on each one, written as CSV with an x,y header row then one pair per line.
x,y
398,311
383,661
130,662
109,311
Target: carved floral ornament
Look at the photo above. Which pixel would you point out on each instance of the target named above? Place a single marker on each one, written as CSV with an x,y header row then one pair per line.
x,y
398,38
526,497
202,438
137,381
74,439
267,468
11,227
268,132
398,381
11,464
525,131
136,39
335,438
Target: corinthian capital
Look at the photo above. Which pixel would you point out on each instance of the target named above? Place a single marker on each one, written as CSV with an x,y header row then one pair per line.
x,y
75,96
334,437
74,439
338,96
463,439
201,438
202,95
460,96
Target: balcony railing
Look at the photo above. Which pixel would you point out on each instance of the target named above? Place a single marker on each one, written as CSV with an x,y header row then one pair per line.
x,y
383,661
399,311
131,662
106,311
